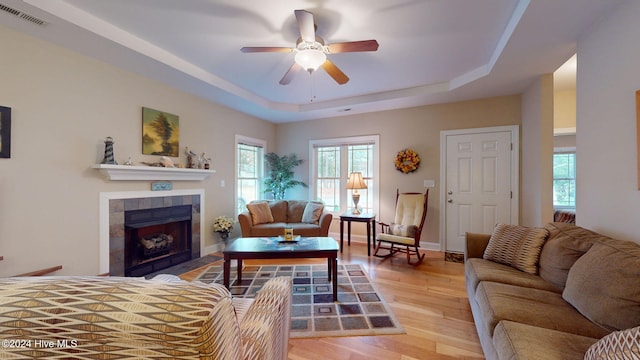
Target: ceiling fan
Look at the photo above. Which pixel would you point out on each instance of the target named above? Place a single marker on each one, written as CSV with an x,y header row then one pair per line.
x,y
311,51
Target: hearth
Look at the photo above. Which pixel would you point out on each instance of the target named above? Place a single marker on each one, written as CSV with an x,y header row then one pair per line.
x,y
156,239
114,205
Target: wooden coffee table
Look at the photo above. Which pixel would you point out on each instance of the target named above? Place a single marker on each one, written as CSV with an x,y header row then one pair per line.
x,y
275,248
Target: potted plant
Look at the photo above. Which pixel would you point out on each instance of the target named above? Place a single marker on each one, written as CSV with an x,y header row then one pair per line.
x,y
223,226
281,174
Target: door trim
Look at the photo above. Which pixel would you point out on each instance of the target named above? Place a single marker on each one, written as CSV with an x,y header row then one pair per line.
x,y
515,172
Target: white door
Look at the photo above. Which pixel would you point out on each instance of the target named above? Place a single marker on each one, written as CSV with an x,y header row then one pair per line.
x,y
480,176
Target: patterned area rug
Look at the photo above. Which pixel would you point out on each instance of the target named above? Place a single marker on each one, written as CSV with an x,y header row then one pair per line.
x,y
360,310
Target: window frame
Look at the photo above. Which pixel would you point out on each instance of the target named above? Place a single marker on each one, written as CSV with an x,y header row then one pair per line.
x,y
246,140
566,150
345,200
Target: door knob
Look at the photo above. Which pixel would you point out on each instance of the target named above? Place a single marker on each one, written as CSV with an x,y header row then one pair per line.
x,y
450,192
449,200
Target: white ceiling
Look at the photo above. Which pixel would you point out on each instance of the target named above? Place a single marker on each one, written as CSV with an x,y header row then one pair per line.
x,y
430,51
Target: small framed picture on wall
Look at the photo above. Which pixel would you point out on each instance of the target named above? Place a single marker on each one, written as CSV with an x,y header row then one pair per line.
x,y
5,132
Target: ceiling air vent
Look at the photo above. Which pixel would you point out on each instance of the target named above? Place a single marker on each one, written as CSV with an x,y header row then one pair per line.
x,y
22,15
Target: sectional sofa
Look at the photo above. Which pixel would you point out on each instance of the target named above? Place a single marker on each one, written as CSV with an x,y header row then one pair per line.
x,y
559,292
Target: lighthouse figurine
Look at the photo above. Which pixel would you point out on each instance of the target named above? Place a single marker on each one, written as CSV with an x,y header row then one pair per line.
x,y
108,152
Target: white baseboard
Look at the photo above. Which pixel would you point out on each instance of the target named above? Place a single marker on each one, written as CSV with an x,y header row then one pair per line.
x,y
212,249
431,246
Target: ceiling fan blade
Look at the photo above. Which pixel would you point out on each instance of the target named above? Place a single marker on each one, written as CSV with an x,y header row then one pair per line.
x,y
306,25
286,79
335,73
254,49
353,46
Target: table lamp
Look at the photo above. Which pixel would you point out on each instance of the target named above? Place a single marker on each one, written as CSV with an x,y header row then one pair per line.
x,y
355,183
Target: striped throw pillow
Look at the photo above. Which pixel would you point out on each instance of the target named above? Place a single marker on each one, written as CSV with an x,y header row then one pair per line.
x,y
516,246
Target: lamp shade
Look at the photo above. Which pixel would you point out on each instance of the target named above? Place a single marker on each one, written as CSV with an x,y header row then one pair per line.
x,y
356,181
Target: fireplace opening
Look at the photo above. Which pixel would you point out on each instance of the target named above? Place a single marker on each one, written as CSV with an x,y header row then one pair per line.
x,y
156,239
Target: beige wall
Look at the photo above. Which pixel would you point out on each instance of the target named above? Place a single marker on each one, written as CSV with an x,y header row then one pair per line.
x,y
537,153
607,198
564,117
417,128
63,106
564,109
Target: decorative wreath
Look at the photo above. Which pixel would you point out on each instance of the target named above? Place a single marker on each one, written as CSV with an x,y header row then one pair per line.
x,y
407,161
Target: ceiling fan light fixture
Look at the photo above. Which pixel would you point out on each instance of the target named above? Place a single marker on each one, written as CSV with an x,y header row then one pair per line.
x,y
310,59
310,51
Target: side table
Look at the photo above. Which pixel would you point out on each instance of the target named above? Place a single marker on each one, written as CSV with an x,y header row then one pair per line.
x,y
370,219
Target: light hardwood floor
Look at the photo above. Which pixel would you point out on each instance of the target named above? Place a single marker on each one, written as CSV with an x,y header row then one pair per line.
x,y
429,300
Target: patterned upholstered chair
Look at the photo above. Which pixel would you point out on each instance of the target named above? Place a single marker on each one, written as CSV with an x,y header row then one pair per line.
x,y
403,234
103,317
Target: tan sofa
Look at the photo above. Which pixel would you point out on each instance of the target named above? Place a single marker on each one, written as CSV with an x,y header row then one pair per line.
x,y
285,213
114,317
586,286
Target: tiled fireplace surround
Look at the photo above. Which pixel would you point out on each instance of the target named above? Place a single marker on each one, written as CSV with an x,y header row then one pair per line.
x,y
113,206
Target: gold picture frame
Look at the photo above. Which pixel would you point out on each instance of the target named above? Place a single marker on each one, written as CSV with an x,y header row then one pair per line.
x,y
160,133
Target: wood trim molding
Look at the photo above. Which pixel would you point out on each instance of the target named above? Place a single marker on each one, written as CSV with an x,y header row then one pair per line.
x,y
564,131
42,271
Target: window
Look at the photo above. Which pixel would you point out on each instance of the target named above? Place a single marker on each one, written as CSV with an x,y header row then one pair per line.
x,y
332,162
564,179
250,171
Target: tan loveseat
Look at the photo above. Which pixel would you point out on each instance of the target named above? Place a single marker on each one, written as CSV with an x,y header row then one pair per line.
x,y
584,286
269,218
120,318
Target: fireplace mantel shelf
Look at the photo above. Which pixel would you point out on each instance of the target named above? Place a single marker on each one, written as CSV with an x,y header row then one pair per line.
x,y
126,172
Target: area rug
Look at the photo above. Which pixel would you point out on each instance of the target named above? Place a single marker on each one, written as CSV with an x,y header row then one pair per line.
x,y
186,266
360,310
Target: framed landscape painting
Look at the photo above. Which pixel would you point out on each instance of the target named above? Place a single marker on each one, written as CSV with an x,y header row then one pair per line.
x,y
5,132
160,133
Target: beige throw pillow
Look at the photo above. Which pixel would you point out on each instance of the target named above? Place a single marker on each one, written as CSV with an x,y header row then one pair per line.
x,y
403,230
312,212
603,285
260,212
623,344
516,246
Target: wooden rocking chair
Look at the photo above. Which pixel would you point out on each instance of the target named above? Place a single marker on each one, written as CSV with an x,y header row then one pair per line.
x,y
403,234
